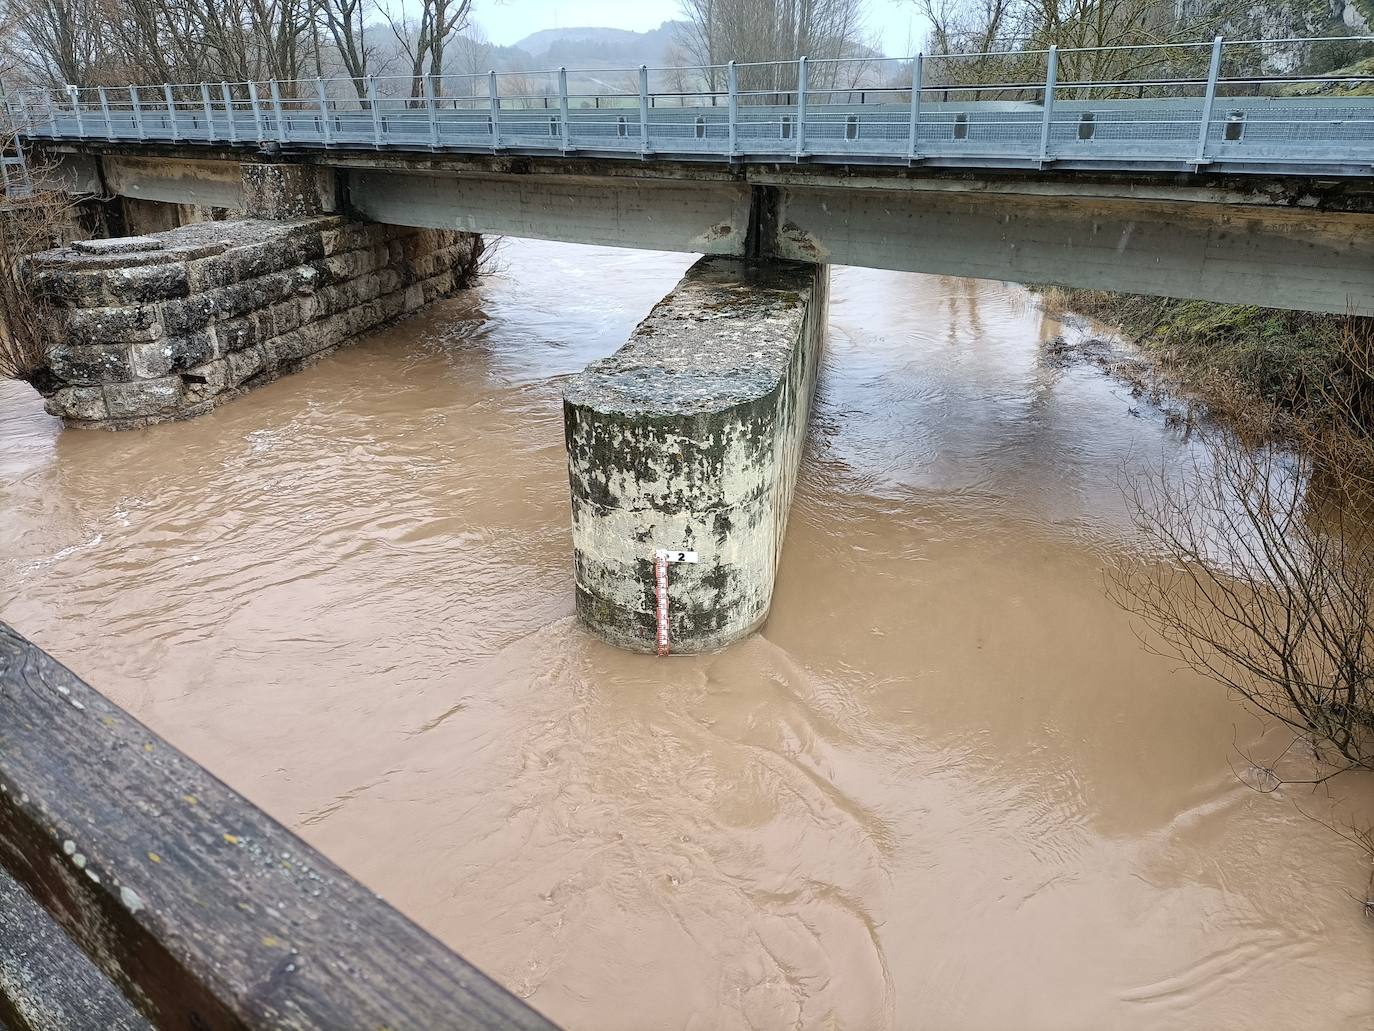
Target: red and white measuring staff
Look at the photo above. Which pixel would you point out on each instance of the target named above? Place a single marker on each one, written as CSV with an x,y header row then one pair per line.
x,y
661,559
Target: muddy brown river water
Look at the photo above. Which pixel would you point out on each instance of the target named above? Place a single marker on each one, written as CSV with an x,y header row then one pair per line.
x,y
945,788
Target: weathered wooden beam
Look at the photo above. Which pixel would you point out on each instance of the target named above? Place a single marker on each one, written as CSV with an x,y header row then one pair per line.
x,y
200,908
46,982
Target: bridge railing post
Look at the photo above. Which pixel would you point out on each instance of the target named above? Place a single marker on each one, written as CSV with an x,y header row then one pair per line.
x,y
732,80
228,95
75,95
105,113
136,103
1051,79
376,110
322,98
644,110
209,110
565,130
918,79
1209,101
171,111
494,99
257,111
431,113
282,135
801,107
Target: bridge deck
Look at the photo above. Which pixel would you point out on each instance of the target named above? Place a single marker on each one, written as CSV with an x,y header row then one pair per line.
x,y
1179,115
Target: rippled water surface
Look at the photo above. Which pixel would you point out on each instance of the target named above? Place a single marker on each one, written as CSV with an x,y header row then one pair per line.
x,y
945,788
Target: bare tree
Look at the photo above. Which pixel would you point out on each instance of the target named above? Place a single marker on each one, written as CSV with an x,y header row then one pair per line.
x,y
1261,573
751,31
344,20
423,41
57,39
116,42
1082,28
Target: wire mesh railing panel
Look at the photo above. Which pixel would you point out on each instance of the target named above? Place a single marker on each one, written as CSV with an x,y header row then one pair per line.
x,y
1186,104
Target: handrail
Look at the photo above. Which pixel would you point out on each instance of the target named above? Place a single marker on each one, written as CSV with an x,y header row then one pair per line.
x,y
858,110
814,62
194,904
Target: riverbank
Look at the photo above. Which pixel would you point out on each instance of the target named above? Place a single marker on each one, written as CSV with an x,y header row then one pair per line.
x,y
1226,354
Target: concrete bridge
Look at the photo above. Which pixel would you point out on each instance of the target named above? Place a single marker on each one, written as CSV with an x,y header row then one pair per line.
x,y
683,447
1198,179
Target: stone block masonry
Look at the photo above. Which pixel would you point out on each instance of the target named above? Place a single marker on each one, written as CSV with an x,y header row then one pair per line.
x,y
167,326
689,438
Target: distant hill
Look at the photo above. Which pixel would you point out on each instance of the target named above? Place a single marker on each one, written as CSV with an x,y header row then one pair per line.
x,y
594,47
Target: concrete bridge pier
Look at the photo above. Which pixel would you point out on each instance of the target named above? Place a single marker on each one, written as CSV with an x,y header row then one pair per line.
x,y
683,450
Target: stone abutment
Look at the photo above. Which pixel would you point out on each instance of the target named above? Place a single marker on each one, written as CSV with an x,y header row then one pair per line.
x,y
167,326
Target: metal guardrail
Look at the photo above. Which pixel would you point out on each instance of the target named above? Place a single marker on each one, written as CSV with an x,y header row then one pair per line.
x,y
1171,107
14,175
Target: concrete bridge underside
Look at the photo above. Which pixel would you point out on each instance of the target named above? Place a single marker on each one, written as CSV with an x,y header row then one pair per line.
x,y
1304,245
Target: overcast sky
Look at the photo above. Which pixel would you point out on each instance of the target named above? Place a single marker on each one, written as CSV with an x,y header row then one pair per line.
x,y
893,24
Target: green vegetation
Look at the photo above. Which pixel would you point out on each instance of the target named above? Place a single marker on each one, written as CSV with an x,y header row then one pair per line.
x,y
1285,358
1337,89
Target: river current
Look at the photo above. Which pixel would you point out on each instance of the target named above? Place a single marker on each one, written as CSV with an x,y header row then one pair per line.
x,y
944,788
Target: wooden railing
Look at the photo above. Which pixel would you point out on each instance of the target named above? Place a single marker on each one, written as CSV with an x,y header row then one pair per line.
x,y
137,890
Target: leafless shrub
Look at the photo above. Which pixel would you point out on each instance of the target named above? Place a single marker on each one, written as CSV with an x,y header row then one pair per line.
x,y
38,221
1267,575
1266,583
480,260
491,260
1259,571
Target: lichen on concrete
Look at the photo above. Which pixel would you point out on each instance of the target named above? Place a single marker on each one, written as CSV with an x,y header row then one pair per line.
x,y
689,437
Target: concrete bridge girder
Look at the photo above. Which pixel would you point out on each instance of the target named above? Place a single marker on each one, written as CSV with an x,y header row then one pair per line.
x,y
1280,258
654,214
1302,245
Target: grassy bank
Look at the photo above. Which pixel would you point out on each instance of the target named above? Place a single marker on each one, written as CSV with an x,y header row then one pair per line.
x,y
1286,358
